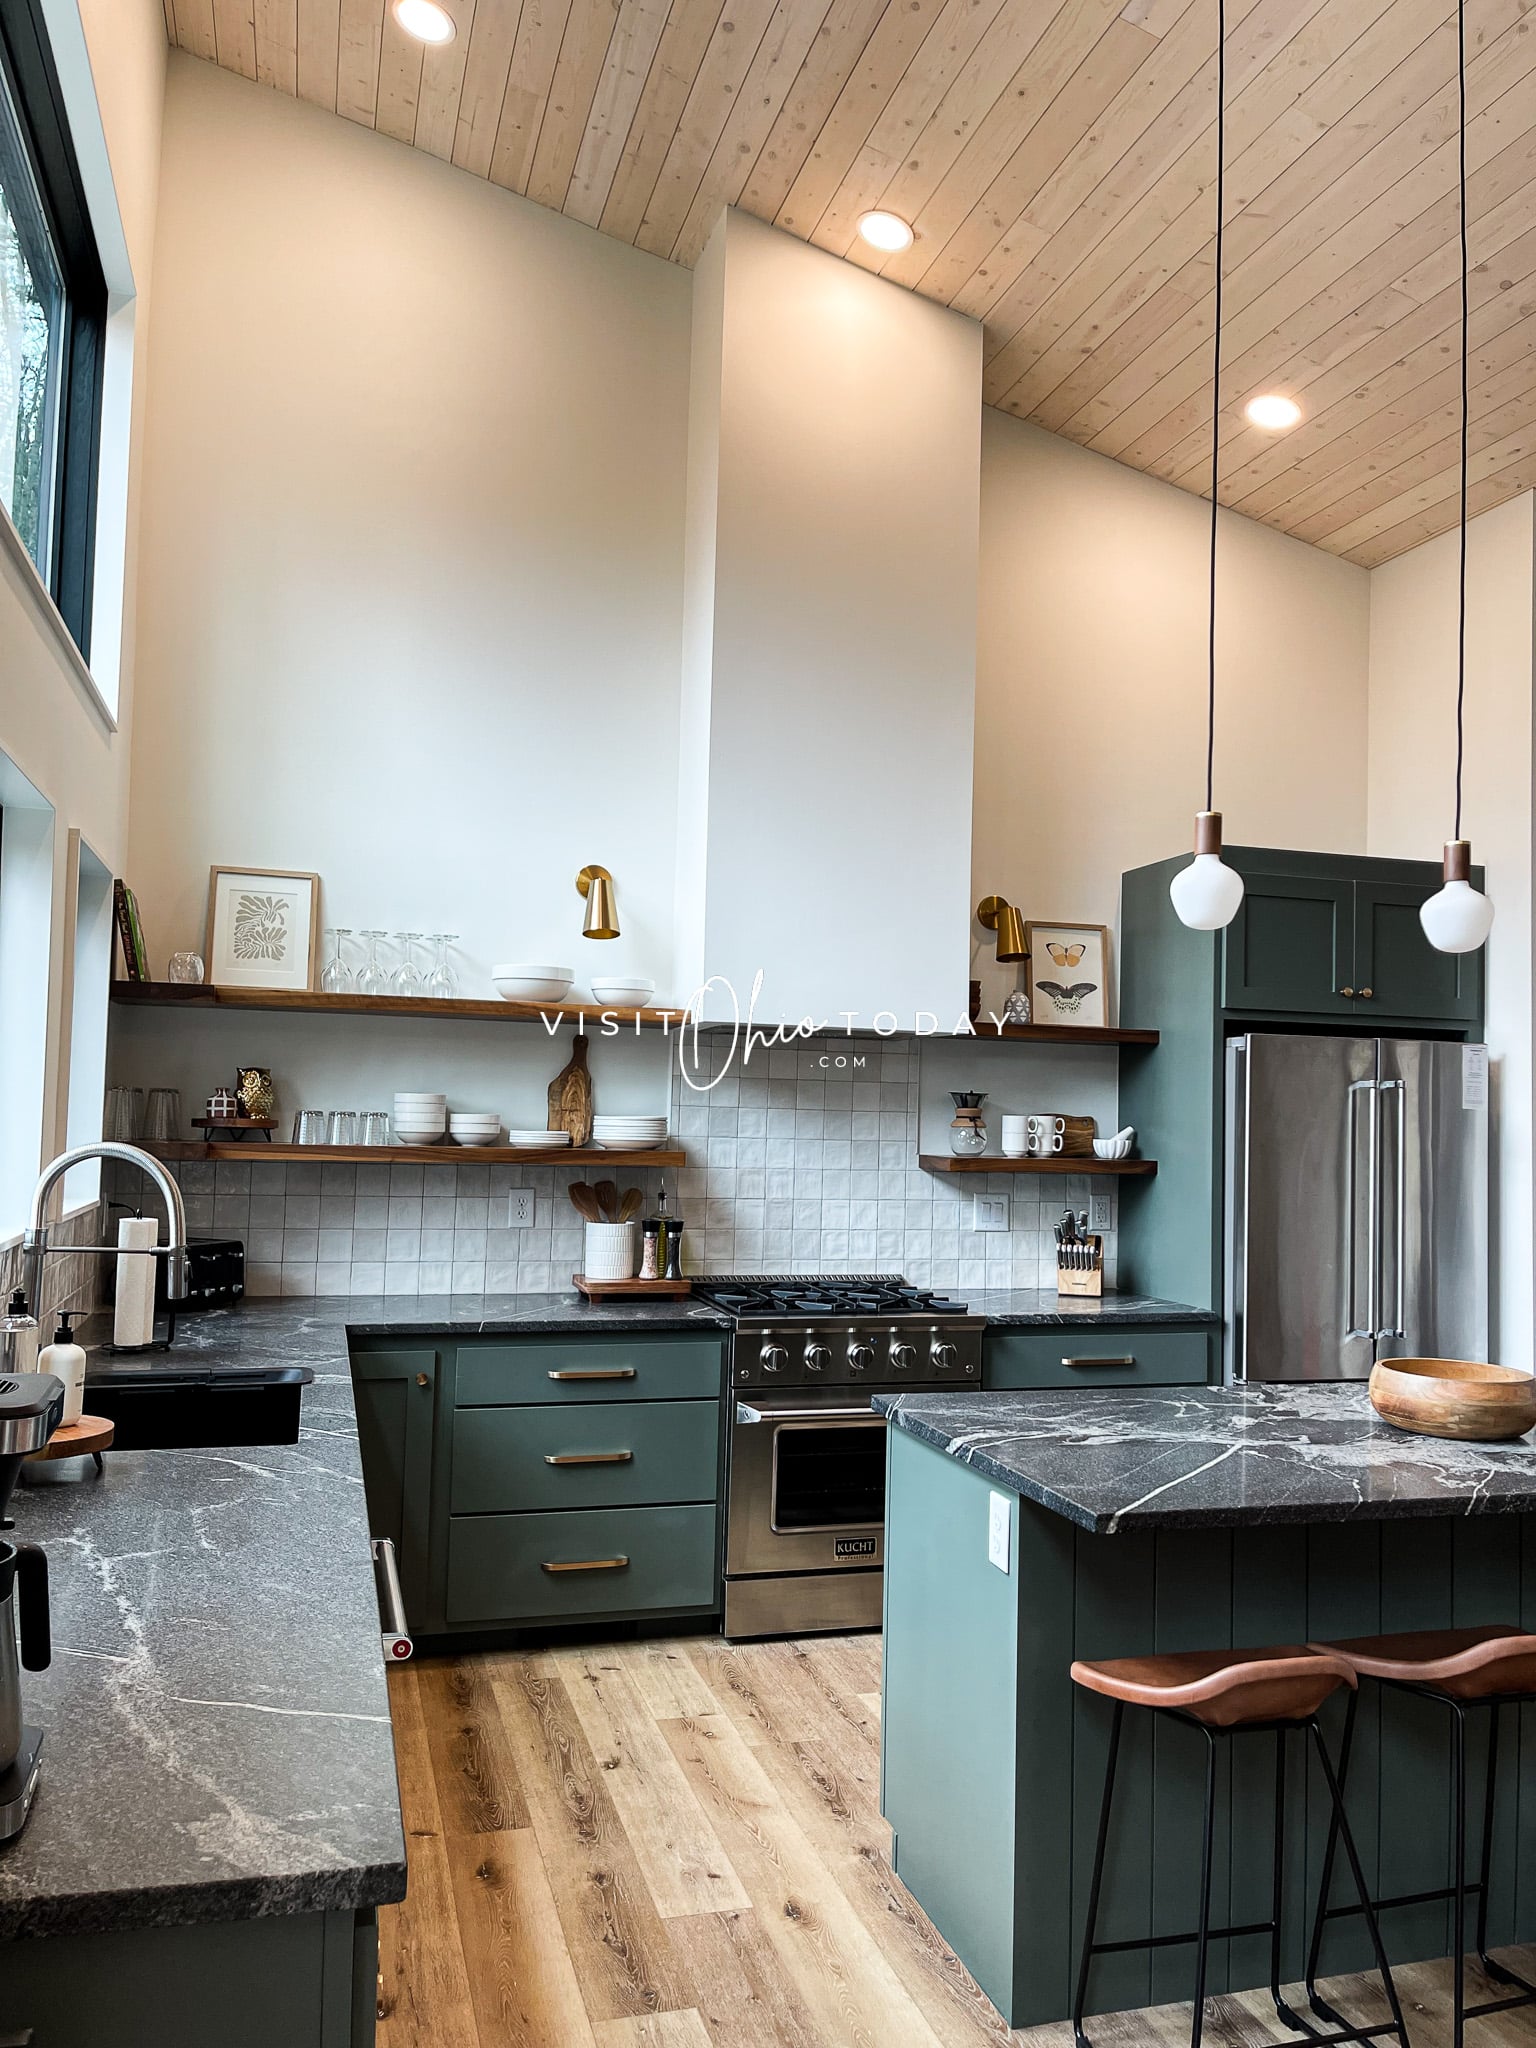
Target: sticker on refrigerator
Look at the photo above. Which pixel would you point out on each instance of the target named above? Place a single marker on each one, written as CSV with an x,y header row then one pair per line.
x,y
1474,1076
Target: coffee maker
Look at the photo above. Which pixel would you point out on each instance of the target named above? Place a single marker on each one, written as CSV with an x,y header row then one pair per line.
x,y
31,1408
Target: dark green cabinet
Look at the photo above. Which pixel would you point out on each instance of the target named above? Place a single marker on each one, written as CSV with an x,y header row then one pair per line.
x,y
394,1392
1121,1356
1334,941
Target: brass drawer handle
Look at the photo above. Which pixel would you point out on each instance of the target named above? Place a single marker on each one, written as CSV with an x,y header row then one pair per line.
x,y
589,1458
590,1564
1347,992
617,1372
422,1380
1098,1361
1367,993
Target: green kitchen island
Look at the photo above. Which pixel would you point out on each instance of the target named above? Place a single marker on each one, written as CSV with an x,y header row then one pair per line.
x,y
1177,1519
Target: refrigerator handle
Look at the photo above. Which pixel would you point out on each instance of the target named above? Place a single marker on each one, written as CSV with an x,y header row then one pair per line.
x,y
1400,1234
1351,1198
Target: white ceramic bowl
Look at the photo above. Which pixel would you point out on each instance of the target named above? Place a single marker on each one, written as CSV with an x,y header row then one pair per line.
x,y
404,1101
625,993
645,1144
1111,1148
421,1119
531,982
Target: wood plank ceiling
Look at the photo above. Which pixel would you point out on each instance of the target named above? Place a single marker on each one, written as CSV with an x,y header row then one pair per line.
x,y
1055,158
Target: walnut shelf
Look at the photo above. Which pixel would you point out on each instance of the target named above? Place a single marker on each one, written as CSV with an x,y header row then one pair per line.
x,y
202,995
946,1162
418,1155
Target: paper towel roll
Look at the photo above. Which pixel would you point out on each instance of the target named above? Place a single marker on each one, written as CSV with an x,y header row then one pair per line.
x,y
133,1322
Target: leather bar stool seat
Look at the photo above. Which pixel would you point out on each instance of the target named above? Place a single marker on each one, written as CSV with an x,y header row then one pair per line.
x,y
1224,1688
1467,1663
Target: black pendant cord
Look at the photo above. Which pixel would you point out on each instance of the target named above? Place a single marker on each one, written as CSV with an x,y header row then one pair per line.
x,y
1221,167
1461,620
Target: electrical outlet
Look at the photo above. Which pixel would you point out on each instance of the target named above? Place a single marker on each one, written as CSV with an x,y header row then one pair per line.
x,y
1101,1212
1000,1531
520,1209
989,1212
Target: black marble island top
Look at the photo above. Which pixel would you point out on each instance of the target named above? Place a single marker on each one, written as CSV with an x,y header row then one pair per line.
x,y
1216,1457
1042,1308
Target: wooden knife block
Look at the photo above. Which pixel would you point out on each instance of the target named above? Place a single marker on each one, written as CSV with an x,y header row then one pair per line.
x,y
1088,1280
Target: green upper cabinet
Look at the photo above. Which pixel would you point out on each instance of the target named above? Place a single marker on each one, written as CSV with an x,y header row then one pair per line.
x,y
1291,946
1406,977
1335,939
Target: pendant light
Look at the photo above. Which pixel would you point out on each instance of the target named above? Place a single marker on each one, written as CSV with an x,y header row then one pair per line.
x,y
1207,893
1457,918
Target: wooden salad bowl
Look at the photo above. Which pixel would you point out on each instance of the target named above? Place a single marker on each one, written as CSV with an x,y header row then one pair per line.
x,y
1454,1397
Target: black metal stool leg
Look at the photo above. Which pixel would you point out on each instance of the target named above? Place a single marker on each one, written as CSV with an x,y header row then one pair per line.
x,y
1080,1995
1286,2014
1207,1848
1325,1884
1459,1880
1368,1911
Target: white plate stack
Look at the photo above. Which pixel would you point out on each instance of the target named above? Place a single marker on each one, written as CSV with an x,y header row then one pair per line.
x,y
629,1133
537,1141
475,1126
420,1119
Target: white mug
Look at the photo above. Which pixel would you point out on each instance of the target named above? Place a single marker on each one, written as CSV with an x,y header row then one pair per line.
x,y
1015,1137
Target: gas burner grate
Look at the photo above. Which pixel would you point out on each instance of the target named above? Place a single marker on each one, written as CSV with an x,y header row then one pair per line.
x,y
807,1296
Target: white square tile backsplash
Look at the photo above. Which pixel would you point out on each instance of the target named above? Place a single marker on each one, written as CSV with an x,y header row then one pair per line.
x,y
806,1160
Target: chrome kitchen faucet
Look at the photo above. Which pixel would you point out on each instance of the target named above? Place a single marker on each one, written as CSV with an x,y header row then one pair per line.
x,y
35,1246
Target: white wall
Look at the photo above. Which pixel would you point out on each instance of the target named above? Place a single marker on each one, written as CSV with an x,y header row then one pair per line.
x,y
1412,743
410,592
53,724
833,596
1091,682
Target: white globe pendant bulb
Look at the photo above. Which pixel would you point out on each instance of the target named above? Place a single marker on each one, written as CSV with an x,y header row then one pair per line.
x,y
1207,894
1457,918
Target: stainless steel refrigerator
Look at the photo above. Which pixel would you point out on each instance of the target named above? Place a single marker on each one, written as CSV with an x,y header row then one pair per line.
x,y
1356,1204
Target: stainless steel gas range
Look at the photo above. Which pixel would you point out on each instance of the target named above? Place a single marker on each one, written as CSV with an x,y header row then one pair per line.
x,y
805,1459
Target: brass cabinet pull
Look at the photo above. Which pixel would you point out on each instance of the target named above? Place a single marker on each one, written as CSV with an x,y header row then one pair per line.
x,y
590,1564
1098,1361
422,1380
616,1372
589,1458
1367,993
1346,992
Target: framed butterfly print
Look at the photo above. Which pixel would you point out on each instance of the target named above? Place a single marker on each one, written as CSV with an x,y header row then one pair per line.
x,y
1068,973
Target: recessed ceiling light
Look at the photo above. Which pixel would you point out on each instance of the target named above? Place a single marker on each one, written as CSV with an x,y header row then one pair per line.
x,y
1273,411
886,231
425,20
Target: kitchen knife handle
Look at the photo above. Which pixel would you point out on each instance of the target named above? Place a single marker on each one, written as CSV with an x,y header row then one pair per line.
x,y
32,1607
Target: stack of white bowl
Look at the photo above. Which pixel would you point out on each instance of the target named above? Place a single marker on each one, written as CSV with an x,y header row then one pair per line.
x,y
531,981
420,1119
629,1133
475,1126
628,993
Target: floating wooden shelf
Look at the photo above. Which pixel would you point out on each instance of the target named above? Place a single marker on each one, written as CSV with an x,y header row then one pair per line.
x,y
946,1162
418,1155
202,995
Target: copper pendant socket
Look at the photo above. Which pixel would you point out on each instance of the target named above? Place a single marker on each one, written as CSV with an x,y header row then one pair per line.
x,y
1458,860
1208,832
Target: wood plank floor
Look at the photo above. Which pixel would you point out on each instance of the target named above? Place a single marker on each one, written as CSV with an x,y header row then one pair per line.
x,y
677,1844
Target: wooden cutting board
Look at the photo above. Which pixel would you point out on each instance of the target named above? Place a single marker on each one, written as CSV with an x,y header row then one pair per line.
x,y
570,1096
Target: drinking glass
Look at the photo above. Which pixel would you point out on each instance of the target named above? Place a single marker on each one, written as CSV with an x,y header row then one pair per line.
x,y
406,979
341,1127
162,1121
309,1127
373,1127
444,983
336,975
185,967
373,977
124,1118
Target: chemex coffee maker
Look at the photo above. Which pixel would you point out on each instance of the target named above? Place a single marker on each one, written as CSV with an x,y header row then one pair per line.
x,y
31,1408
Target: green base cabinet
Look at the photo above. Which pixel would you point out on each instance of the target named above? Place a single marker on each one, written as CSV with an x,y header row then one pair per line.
x,y
306,1978
1122,1356
540,1480
993,1761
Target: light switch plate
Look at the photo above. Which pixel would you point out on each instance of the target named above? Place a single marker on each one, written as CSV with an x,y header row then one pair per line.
x,y
989,1212
1000,1531
520,1209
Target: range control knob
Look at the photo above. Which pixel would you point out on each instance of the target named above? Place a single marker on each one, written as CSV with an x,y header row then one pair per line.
x,y
861,1356
773,1358
817,1357
943,1356
903,1356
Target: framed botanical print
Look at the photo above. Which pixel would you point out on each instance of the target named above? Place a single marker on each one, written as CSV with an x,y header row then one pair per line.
x,y
1068,973
263,928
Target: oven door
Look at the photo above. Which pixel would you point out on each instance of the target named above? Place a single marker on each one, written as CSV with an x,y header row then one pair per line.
x,y
806,1486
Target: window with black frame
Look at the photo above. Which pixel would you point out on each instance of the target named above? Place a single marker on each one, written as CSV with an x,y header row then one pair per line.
x,y
52,321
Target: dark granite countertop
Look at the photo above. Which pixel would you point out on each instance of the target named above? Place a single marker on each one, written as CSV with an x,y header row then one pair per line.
x,y
1216,1457
1026,1308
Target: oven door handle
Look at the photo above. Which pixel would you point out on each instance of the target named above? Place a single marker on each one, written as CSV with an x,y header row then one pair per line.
x,y
745,1412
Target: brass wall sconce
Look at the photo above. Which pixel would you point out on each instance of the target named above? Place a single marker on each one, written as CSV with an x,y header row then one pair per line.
x,y
1001,917
602,918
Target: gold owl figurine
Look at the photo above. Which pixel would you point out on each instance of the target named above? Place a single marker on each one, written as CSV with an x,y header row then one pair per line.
x,y
253,1085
